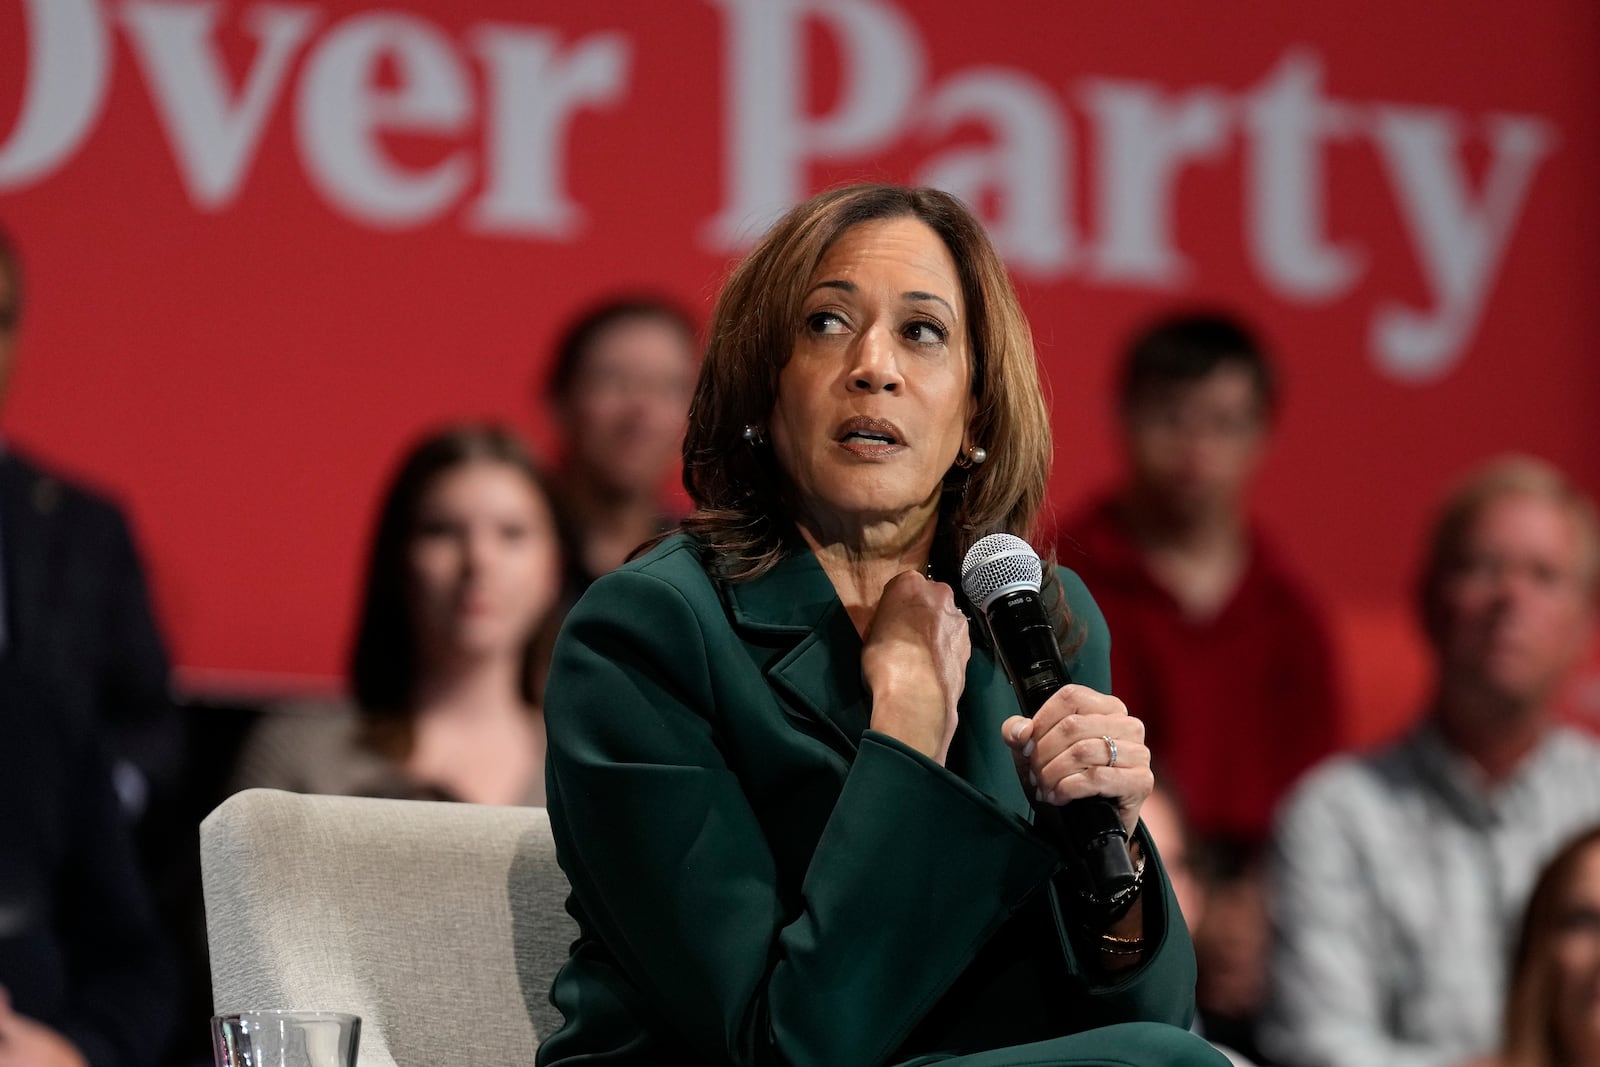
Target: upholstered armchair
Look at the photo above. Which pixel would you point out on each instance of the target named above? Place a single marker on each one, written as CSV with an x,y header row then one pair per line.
x,y
441,925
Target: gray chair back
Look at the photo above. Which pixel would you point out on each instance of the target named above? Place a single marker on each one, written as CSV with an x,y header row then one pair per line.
x,y
441,925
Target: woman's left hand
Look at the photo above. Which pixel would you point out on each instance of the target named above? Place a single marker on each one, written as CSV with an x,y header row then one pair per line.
x,y
1082,743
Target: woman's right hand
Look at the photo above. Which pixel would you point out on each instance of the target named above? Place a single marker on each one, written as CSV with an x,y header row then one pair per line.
x,y
914,663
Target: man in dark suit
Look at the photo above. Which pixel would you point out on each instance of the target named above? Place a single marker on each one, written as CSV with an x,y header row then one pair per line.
x,y
74,611
87,978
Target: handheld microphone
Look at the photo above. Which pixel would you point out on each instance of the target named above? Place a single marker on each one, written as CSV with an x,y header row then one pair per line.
x,y
1001,577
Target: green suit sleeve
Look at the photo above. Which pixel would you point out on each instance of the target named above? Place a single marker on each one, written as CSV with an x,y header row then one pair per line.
x,y
669,863
1162,987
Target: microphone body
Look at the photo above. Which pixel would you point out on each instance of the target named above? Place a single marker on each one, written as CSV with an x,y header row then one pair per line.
x,y
1004,585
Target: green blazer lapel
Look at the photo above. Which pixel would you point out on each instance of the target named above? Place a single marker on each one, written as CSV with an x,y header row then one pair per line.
x,y
977,752
820,677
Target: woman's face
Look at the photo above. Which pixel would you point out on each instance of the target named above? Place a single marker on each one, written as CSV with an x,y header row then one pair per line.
x,y
628,404
1575,953
485,561
874,402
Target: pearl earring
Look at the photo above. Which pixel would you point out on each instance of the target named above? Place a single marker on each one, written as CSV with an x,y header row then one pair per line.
x,y
971,457
752,435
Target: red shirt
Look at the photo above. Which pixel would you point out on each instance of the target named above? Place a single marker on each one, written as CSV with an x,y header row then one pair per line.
x,y
1236,706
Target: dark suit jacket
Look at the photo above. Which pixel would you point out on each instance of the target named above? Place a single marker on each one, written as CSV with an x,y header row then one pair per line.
x,y
760,878
80,950
78,616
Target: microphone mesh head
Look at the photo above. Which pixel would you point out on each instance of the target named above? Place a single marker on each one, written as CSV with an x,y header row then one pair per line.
x,y
999,563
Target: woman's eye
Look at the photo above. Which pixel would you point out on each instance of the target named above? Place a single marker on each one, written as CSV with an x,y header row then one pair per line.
x,y
1580,921
926,333
824,322
430,529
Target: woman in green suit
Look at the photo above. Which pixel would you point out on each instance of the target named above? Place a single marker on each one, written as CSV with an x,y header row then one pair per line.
x,y
788,780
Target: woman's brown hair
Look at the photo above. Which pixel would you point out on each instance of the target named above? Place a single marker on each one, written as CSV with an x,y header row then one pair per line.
x,y
1531,1039
737,491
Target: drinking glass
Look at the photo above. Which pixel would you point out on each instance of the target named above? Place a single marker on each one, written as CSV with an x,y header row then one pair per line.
x,y
285,1039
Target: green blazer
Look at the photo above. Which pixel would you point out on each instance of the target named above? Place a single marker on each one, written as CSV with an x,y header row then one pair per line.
x,y
759,878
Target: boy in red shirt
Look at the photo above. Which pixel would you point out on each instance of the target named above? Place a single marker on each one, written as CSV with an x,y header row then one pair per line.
x,y
1215,643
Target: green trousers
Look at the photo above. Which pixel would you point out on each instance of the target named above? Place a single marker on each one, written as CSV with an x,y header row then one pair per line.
x,y
1124,1045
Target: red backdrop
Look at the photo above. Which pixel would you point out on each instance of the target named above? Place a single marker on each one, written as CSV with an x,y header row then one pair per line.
x,y
267,243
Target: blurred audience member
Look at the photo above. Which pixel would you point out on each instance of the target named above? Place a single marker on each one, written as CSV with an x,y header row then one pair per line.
x,y
1399,876
1169,830
619,391
74,612
463,588
85,976
1552,1014
1233,943
1217,643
